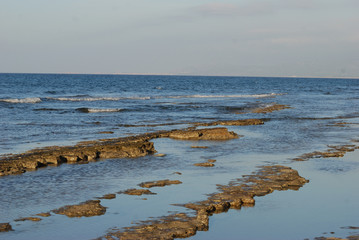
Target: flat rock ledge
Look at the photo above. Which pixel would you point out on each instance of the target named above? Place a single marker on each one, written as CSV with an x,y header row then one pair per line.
x,y
129,147
354,237
159,183
203,134
240,192
86,209
244,122
332,151
5,227
81,153
137,192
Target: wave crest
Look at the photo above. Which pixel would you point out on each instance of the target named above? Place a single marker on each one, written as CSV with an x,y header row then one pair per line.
x,y
99,110
21,100
92,99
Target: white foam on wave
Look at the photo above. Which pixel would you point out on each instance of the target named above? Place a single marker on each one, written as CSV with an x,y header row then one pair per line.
x,y
230,96
92,99
99,110
21,100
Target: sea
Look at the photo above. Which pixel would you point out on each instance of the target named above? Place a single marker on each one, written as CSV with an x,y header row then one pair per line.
x,y
40,110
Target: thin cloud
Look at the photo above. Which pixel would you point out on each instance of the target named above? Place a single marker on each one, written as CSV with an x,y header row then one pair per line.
x,y
253,8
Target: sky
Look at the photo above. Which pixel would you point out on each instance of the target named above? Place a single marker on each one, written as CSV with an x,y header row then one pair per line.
x,y
315,38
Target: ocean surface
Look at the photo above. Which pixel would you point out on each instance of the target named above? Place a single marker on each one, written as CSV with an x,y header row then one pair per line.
x,y
38,110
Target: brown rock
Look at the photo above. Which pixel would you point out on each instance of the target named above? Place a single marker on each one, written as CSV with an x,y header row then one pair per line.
x,y
138,192
34,219
269,109
108,196
204,147
5,227
160,183
241,122
203,134
205,164
234,195
44,214
89,151
85,209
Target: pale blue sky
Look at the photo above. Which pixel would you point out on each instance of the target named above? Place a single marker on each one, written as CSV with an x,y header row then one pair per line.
x,y
243,37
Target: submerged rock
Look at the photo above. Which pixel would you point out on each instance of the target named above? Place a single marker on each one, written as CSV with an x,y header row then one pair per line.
x,y
204,164
241,122
44,214
85,209
5,227
108,196
271,108
203,134
34,219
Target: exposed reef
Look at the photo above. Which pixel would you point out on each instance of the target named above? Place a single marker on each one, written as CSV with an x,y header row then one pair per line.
x,y
203,134
332,151
128,147
81,153
34,219
86,209
137,192
354,237
240,192
159,183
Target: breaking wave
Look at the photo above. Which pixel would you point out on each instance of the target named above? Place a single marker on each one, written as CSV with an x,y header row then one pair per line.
x,y
230,96
21,100
92,99
99,110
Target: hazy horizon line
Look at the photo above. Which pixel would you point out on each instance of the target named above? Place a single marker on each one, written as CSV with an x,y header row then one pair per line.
x,y
182,74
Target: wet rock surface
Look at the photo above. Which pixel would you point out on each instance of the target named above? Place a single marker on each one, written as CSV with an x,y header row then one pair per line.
x,y
137,192
244,122
159,183
81,153
44,214
108,196
204,164
84,152
86,209
5,227
271,108
240,192
34,219
332,151
354,237
203,134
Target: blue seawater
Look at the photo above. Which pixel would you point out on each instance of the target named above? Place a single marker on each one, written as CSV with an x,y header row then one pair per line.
x,y
38,110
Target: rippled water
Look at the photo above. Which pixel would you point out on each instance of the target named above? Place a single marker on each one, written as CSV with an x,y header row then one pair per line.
x,y
43,110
